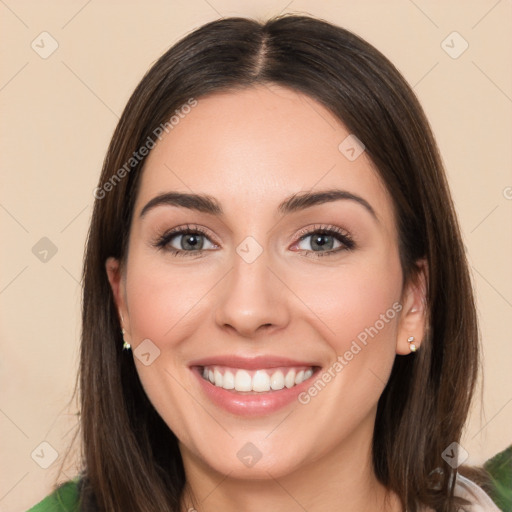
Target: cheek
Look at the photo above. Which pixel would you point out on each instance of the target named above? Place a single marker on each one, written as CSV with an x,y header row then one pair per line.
x,y
163,300
352,298
356,308
163,306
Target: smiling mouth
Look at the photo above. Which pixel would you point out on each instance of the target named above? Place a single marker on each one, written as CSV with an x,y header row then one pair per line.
x,y
263,380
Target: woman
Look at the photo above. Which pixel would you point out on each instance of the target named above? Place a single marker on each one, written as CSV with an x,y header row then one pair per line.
x,y
277,310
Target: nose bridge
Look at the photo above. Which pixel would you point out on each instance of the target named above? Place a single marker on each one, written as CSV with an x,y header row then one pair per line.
x,y
251,296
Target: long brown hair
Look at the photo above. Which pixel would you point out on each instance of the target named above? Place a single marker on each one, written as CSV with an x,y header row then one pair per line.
x,y
130,458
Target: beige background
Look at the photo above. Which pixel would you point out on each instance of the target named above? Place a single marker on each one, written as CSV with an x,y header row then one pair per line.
x,y
58,115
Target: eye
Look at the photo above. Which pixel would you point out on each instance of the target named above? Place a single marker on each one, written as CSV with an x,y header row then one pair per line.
x,y
184,241
324,241
192,241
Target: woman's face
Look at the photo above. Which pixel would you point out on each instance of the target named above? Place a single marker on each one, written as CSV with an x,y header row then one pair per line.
x,y
290,271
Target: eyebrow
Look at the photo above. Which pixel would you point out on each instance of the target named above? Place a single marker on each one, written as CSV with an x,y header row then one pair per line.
x,y
299,201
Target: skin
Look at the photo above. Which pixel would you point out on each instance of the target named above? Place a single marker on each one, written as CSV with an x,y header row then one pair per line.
x,y
250,150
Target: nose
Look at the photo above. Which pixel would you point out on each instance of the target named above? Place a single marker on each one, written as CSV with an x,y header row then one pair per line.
x,y
252,300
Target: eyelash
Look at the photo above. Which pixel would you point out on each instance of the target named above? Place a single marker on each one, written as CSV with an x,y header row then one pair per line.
x,y
343,237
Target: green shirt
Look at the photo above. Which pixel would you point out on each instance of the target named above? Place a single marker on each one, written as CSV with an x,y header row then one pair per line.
x,y
63,499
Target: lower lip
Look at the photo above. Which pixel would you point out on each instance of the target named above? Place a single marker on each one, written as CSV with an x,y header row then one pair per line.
x,y
251,404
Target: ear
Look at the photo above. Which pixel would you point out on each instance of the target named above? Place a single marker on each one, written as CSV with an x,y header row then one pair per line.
x,y
413,318
117,283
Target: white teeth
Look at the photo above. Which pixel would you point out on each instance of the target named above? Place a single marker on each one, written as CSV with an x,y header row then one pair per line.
x,y
260,381
299,377
228,380
243,381
277,380
289,380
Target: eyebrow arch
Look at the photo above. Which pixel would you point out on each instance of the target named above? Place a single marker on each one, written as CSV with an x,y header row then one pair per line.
x,y
299,201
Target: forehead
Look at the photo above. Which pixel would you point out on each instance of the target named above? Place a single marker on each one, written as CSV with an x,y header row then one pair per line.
x,y
255,146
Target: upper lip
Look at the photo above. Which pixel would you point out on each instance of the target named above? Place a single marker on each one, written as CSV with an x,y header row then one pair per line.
x,y
250,363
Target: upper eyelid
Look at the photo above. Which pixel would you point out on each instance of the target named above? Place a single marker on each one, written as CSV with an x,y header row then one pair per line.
x,y
322,227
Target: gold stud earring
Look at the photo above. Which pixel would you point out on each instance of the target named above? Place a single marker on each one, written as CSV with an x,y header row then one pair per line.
x,y
412,346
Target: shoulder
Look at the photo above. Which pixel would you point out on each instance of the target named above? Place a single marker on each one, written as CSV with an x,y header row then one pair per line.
x,y
480,501
499,469
63,499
